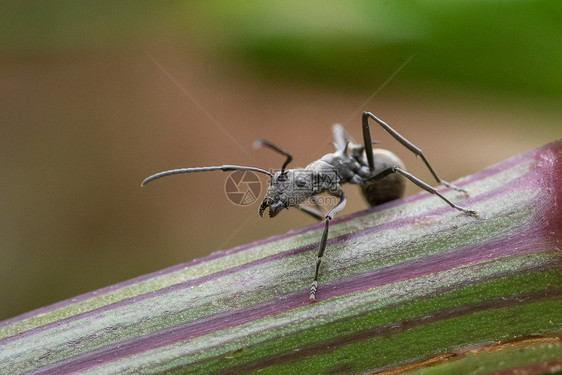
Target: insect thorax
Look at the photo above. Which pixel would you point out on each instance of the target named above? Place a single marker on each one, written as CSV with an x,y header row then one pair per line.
x,y
351,167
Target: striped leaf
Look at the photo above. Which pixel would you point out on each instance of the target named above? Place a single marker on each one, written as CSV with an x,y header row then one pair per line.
x,y
405,285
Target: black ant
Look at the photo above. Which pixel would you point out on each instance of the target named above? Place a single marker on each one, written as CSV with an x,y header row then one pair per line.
x,y
380,173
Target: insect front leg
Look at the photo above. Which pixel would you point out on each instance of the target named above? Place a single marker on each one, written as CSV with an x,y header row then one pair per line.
x,y
333,212
400,138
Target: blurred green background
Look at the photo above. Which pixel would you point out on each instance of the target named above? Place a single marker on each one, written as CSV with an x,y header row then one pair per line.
x,y
95,96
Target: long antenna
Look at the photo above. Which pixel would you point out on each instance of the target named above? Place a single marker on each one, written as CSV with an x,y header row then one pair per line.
x,y
262,142
224,168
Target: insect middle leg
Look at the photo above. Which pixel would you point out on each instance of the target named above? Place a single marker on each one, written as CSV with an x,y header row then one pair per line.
x,y
400,138
317,214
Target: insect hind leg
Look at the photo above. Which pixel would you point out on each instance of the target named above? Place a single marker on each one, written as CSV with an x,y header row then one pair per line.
x,y
422,185
404,142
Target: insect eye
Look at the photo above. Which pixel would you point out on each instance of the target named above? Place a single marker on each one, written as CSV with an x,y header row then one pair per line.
x,y
300,182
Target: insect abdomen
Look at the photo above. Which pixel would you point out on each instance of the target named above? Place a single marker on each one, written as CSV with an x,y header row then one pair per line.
x,y
389,188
